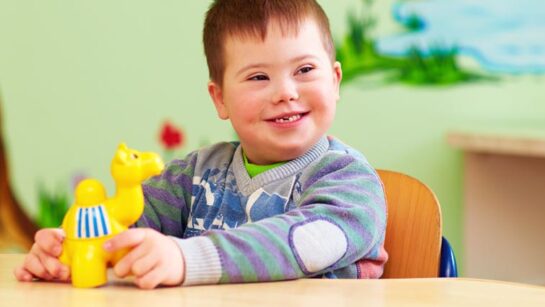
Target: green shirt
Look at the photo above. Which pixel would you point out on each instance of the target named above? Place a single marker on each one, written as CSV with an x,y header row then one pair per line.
x,y
255,169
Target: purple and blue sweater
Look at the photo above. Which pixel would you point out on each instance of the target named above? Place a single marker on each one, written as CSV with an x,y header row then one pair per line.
x,y
320,215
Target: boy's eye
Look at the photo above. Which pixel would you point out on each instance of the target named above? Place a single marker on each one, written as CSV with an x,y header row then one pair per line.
x,y
258,78
305,69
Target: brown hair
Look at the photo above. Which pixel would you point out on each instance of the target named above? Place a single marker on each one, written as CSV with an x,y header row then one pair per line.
x,y
250,18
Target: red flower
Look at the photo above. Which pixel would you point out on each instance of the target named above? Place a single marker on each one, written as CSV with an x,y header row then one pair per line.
x,y
171,136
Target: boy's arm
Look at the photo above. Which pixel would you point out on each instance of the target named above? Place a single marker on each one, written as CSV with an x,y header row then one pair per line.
x,y
341,218
167,197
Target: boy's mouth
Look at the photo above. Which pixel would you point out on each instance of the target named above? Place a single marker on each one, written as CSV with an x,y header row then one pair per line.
x,y
288,118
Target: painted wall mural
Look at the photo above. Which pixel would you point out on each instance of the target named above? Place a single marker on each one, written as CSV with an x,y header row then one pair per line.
x,y
502,36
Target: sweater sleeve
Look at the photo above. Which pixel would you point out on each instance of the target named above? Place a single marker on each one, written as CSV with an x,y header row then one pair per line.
x,y
168,197
340,218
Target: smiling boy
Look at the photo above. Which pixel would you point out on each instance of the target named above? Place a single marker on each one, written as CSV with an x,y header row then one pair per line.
x,y
285,202
281,94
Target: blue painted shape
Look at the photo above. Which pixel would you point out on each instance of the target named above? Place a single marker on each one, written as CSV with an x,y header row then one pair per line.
x,y
103,221
95,223
80,222
86,215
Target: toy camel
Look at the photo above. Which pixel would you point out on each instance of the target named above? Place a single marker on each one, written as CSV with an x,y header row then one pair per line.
x,y
95,218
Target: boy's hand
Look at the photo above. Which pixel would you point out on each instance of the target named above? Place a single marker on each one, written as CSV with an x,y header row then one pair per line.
x,y
155,259
42,260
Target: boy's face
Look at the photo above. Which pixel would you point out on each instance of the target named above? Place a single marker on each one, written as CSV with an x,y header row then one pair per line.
x,y
279,94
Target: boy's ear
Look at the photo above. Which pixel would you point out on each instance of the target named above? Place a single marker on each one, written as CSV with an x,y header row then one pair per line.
x,y
217,97
337,77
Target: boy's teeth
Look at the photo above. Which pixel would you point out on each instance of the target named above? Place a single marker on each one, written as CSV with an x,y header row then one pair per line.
x,y
288,119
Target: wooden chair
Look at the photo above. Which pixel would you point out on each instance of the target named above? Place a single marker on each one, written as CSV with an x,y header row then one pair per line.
x,y
413,233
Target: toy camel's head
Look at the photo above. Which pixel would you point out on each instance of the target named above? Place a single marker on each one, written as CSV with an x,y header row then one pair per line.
x,y
131,167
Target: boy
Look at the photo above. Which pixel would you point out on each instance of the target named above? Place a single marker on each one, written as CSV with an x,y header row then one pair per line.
x,y
284,203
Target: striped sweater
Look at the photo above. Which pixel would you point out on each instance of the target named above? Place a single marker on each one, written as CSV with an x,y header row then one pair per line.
x,y
320,215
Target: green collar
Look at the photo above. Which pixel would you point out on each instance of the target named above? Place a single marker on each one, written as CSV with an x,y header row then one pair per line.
x,y
254,169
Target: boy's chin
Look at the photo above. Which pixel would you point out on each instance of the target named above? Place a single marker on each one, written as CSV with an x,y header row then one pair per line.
x,y
287,153
276,155
292,149
281,151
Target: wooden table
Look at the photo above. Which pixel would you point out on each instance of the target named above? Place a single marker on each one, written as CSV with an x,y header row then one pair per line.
x,y
305,292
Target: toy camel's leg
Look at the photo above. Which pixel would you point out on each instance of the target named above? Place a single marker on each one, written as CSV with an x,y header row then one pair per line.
x,y
88,267
64,258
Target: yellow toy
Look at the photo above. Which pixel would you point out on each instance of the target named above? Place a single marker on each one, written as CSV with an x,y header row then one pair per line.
x,y
94,218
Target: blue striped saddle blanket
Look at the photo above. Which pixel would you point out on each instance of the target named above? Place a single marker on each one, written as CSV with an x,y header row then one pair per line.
x,y
92,222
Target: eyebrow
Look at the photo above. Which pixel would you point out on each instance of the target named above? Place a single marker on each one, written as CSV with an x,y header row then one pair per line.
x,y
258,65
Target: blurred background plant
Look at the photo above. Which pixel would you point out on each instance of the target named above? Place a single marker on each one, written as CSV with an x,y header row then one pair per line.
x,y
357,51
52,205
439,66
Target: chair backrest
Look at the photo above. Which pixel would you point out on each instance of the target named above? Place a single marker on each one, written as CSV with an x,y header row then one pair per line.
x,y
413,232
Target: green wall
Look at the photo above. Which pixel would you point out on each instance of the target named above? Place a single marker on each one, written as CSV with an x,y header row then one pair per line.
x,y
77,77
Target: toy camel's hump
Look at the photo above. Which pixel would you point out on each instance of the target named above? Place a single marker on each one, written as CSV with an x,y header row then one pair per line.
x,y
90,192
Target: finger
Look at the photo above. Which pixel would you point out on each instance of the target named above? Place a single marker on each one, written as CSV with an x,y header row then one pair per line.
x,y
22,275
35,267
144,265
126,239
50,240
64,274
124,266
151,280
54,267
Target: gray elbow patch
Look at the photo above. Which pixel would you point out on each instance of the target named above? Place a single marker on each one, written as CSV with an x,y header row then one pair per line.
x,y
317,244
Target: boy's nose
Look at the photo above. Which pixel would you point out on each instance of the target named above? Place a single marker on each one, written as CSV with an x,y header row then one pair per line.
x,y
285,91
